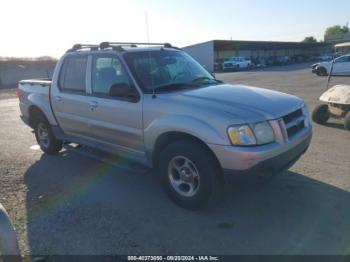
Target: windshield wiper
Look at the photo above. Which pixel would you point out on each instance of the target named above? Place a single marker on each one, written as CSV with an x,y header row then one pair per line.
x,y
206,79
195,83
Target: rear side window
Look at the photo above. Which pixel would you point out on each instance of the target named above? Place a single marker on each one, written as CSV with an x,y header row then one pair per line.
x,y
73,74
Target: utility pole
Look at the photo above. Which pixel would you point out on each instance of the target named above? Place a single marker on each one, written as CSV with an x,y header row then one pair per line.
x,y
147,32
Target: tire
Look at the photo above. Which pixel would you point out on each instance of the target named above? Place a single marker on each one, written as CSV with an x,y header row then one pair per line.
x,y
189,173
320,115
321,71
347,121
45,137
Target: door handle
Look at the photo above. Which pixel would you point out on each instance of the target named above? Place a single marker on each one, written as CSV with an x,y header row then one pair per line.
x,y
58,98
93,105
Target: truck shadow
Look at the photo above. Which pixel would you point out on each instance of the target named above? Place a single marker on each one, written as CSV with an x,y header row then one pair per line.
x,y
76,205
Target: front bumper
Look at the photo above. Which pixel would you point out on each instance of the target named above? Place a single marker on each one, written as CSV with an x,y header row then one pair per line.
x,y
314,70
260,159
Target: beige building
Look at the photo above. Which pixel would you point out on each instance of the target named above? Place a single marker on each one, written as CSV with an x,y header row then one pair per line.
x,y
208,53
339,39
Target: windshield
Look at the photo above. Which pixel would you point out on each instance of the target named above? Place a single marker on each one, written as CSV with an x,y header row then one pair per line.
x,y
159,69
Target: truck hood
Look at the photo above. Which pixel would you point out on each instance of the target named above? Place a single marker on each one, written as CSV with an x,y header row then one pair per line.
x,y
245,101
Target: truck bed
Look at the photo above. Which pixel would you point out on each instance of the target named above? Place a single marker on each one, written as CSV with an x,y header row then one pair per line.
x,y
41,81
35,93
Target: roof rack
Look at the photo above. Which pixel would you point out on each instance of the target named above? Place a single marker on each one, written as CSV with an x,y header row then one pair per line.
x,y
77,47
119,45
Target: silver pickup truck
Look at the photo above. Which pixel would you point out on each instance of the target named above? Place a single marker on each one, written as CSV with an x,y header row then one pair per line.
x,y
156,105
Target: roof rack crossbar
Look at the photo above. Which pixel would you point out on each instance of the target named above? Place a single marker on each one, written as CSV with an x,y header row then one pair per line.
x,y
77,47
104,45
116,46
136,43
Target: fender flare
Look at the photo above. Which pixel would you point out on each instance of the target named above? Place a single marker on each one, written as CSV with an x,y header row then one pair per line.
x,y
182,124
43,105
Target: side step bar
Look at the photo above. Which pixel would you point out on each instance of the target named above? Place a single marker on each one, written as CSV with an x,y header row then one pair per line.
x,y
110,159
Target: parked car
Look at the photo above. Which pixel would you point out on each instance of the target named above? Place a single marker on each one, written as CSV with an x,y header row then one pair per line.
x,y
236,63
282,60
299,58
271,61
325,57
256,63
218,64
158,106
341,66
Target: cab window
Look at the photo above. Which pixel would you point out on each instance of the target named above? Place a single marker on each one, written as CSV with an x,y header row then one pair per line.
x,y
107,71
73,74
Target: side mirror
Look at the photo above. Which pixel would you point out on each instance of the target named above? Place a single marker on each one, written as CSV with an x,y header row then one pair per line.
x,y
123,90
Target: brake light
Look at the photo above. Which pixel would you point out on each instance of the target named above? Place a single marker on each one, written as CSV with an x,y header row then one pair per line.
x,y
19,94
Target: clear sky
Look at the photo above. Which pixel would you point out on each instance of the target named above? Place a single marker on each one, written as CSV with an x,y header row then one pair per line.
x,y
49,27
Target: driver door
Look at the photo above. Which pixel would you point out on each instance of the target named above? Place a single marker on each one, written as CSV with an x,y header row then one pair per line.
x,y
114,121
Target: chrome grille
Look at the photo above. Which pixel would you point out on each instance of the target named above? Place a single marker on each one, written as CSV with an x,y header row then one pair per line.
x,y
294,122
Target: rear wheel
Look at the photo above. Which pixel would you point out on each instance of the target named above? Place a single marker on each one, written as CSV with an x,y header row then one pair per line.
x,y
347,121
188,173
320,115
45,137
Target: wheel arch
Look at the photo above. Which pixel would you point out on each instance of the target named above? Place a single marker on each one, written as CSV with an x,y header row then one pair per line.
x,y
34,113
322,70
169,137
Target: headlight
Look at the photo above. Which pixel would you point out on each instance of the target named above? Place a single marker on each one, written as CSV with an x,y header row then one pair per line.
x,y
307,115
263,133
256,134
241,135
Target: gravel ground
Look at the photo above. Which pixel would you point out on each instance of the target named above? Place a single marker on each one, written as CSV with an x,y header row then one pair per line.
x,y
7,93
70,204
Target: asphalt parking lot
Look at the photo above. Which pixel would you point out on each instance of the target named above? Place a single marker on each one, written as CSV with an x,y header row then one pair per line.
x,y
71,204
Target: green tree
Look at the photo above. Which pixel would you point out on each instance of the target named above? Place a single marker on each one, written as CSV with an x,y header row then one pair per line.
x,y
336,30
309,39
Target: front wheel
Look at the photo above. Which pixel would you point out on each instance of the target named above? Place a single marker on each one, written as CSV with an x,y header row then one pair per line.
x,y
188,173
321,71
45,137
320,115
